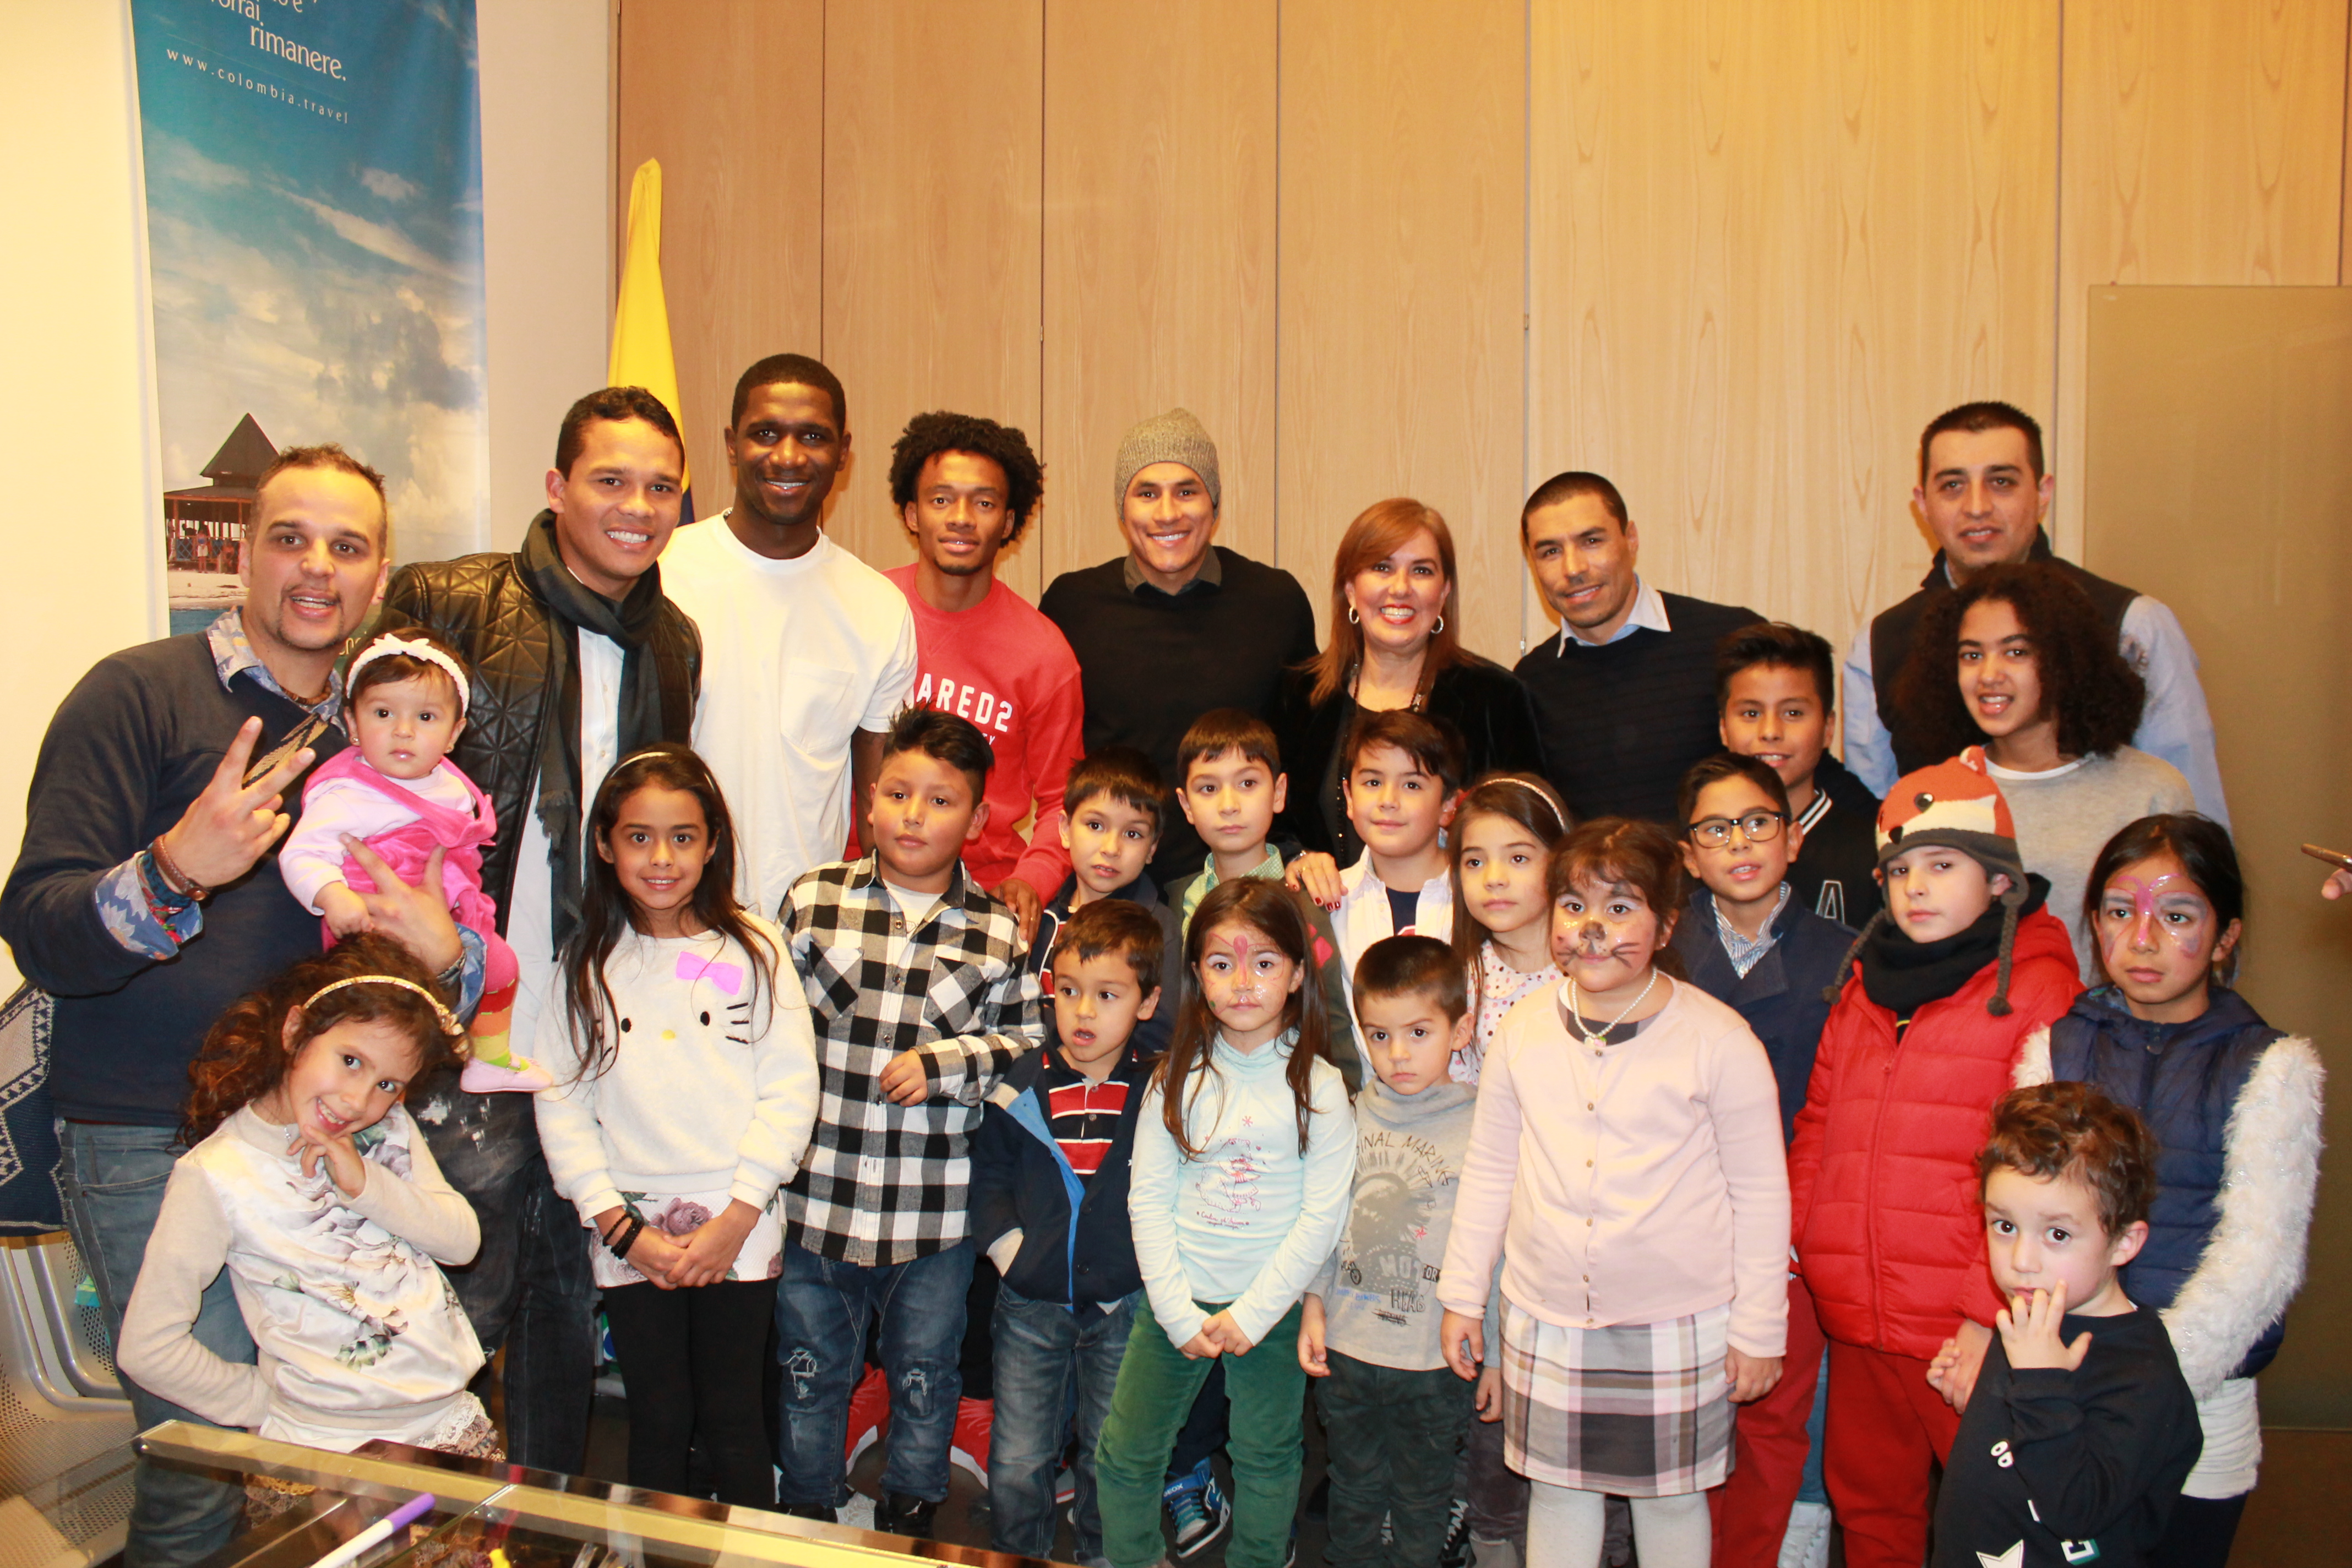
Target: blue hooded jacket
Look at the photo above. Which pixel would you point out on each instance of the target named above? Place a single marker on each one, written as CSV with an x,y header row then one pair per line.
x,y
1076,1243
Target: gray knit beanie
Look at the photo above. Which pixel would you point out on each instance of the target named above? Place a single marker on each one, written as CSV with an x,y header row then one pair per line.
x,y
1174,436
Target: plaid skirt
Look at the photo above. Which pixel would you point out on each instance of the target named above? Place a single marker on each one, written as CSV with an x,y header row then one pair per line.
x,y
1638,1410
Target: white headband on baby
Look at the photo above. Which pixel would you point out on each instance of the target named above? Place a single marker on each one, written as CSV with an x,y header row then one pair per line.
x,y
392,643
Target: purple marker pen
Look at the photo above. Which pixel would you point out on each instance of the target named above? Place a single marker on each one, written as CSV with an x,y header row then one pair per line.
x,y
415,1508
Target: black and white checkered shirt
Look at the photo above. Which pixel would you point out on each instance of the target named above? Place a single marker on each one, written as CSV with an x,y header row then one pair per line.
x,y
885,1183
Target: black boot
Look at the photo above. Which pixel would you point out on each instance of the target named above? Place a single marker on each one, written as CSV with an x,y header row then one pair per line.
x,y
816,1511
902,1513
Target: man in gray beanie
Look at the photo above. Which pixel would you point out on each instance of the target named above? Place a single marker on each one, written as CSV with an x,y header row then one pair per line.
x,y
1178,624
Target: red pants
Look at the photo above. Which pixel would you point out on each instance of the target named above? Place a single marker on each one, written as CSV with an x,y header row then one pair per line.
x,y
1769,1449
1887,1431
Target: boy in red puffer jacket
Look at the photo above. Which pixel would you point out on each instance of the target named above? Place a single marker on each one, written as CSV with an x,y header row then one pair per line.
x,y
1960,968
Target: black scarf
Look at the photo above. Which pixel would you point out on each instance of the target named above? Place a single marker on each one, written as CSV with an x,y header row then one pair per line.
x,y
1902,976
631,624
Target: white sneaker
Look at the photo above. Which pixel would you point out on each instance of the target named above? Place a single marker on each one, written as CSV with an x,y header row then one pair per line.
x,y
1807,1544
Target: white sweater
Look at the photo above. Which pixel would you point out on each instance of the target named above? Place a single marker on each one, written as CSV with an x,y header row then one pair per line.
x,y
1249,1219
706,1091
360,1335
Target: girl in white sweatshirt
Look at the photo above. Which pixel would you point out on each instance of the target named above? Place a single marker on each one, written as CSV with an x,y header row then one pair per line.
x,y
1244,1154
688,1085
309,1184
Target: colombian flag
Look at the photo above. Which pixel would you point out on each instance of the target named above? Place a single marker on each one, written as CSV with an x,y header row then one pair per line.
x,y
641,351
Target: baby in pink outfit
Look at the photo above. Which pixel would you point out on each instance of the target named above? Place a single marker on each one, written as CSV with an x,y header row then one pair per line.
x,y
395,789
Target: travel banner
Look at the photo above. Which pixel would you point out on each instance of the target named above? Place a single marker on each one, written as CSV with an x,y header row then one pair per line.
x,y
314,226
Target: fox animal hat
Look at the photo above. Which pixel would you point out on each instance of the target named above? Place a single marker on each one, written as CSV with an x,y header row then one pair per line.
x,y
1954,804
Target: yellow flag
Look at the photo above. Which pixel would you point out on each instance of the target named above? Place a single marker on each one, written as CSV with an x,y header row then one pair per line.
x,y
641,351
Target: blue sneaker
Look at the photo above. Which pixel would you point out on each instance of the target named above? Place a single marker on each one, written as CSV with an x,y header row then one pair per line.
x,y
1197,1508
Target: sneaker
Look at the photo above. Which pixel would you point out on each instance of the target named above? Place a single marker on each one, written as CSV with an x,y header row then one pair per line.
x,y
1198,1510
869,1412
968,1446
1807,1544
1455,1553
521,1076
902,1513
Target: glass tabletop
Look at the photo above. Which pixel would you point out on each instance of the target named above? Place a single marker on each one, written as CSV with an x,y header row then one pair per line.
x,y
495,1515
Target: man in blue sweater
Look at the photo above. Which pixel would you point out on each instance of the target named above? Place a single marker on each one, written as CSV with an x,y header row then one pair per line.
x,y
1625,694
144,900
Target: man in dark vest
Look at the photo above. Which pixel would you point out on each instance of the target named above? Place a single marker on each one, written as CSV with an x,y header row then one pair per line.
x,y
1626,696
1984,495
577,661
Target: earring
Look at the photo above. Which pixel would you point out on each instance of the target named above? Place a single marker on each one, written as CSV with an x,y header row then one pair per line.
x,y
1439,627
1352,614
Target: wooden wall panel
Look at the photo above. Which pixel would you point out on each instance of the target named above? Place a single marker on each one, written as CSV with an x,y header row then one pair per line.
x,y
728,94
1158,255
1402,283
2204,144
932,152
1767,245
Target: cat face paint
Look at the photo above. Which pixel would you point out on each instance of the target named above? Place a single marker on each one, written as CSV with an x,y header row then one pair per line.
x,y
2158,938
1605,935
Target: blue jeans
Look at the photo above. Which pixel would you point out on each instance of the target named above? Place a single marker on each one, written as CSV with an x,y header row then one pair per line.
x,y
823,1309
1043,1348
528,1287
112,1179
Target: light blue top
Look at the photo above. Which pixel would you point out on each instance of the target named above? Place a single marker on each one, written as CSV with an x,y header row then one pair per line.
x,y
1249,1219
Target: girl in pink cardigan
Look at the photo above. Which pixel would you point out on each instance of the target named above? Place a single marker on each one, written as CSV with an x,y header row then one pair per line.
x,y
1626,1164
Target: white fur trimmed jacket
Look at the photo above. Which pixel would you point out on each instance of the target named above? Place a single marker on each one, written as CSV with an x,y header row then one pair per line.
x,y
2235,1106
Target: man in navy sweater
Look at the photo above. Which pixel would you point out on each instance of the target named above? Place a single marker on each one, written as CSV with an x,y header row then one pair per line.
x,y
144,900
1625,694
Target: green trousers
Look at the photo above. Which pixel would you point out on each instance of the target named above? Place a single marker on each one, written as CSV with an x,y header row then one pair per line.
x,y
1157,1383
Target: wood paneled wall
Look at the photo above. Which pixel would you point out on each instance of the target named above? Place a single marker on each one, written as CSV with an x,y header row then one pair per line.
x,y
1734,257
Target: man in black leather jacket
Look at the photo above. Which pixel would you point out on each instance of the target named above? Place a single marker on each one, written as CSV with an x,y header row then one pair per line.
x,y
576,660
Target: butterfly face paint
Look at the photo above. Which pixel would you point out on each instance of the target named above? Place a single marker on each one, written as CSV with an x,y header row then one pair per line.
x,y
1605,934
1247,982
2158,937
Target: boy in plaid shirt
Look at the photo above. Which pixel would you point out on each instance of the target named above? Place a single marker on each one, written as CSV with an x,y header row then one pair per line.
x,y
921,1001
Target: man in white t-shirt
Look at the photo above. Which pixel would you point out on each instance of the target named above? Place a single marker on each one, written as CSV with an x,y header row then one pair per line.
x,y
807,651
576,660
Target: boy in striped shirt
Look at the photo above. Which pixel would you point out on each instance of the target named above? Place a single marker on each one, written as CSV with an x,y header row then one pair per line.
x,y
1049,1180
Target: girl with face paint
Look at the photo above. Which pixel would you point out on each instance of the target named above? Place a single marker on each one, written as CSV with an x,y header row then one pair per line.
x,y
1625,1164
2225,1094
1245,1156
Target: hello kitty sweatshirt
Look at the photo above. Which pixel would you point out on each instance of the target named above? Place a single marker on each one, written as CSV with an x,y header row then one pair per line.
x,y
1248,1219
710,1087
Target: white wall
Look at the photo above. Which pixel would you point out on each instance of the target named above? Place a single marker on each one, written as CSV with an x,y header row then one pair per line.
x,y
547,233
84,575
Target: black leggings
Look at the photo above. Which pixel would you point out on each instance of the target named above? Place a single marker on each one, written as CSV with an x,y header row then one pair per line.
x,y
690,1359
2200,1533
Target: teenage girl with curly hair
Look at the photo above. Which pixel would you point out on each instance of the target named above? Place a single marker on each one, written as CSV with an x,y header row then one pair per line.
x,y
2016,665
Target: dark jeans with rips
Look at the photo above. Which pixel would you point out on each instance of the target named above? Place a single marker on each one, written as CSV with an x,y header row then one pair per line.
x,y
1047,1355
112,1179
1391,1435
528,1287
823,1309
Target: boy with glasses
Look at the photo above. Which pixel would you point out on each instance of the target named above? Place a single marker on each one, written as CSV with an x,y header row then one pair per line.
x,y
1752,945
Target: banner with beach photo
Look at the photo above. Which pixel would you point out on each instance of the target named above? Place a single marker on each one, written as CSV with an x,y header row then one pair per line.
x,y
314,229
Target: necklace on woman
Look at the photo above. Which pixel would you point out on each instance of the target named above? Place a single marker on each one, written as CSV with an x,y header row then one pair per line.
x,y
1576,1012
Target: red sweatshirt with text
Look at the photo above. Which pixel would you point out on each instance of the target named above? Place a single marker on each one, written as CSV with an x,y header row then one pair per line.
x,y
1009,671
